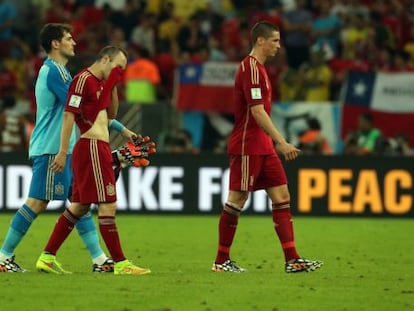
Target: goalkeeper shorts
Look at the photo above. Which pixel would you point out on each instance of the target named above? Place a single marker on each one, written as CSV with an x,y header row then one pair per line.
x,y
46,184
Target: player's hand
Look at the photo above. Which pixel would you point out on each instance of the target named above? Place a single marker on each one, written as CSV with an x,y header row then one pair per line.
x,y
59,162
289,151
114,77
130,135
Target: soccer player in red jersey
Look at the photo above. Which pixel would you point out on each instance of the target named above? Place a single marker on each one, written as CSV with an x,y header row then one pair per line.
x,y
254,163
91,102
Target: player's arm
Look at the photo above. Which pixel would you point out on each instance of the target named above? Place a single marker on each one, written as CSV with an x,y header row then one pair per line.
x,y
57,83
60,160
289,151
113,108
121,129
109,92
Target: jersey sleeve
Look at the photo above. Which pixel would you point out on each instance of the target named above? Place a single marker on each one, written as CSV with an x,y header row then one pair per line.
x,y
76,94
254,83
57,84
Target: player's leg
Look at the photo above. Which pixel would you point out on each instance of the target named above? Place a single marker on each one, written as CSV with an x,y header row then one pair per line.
x,y
19,225
109,232
240,172
283,224
274,180
64,225
85,190
227,229
88,233
94,181
282,220
44,186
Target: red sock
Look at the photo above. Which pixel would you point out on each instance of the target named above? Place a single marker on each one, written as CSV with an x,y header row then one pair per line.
x,y
63,228
109,232
227,228
282,220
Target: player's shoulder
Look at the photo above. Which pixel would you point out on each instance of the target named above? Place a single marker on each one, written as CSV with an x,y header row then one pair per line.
x,y
57,70
249,64
84,77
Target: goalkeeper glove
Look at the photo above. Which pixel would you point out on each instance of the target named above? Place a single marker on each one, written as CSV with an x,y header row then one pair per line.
x,y
134,153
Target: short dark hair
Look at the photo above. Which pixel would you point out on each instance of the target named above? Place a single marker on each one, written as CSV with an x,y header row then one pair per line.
x,y
52,31
111,51
263,29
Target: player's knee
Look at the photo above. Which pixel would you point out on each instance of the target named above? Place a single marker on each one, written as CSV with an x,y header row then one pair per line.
x,y
107,209
36,205
78,210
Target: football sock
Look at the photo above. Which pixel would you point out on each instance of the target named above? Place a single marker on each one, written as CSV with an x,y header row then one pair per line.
x,y
227,228
89,235
282,220
109,232
61,231
19,225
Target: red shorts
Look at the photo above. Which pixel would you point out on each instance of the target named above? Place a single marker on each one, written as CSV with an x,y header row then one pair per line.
x,y
254,172
93,177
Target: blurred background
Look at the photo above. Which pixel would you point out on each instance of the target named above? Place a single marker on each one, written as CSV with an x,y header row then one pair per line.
x,y
342,82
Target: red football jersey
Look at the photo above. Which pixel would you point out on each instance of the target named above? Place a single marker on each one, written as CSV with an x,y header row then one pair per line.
x,y
251,87
83,99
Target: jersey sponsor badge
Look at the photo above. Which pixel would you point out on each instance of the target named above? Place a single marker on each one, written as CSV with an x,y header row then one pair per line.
x,y
256,93
75,101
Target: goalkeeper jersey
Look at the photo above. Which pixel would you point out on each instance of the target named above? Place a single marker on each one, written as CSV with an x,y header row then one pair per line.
x,y
51,90
251,87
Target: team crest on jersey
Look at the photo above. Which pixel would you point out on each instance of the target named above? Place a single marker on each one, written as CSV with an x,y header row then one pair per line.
x,y
110,189
256,93
59,189
75,101
98,94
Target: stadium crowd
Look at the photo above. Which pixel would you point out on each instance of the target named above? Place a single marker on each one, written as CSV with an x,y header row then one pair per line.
x,y
322,41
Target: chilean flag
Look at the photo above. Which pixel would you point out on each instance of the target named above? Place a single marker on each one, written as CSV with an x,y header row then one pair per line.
x,y
388,97
205,87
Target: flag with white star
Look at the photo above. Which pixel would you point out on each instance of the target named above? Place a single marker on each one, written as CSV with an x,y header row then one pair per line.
x,y
359,88
205,86
388,97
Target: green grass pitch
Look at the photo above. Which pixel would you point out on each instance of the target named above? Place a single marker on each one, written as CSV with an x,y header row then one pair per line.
x,y
369,265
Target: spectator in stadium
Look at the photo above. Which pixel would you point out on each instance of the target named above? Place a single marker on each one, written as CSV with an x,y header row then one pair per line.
x,y
408,46
297,28
93,177
402,145
143,34
353,36
142,78
7,18
311,141
326,27
8,81
315,77
166,63
289,88
126,16
190,37
366,140
168,27
254,163
12,126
